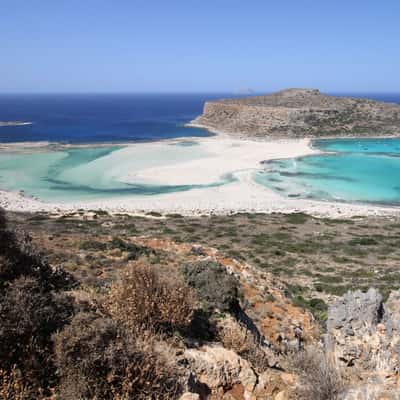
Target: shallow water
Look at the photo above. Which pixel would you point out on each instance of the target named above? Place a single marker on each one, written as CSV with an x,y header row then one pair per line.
x,y
92,173
355,170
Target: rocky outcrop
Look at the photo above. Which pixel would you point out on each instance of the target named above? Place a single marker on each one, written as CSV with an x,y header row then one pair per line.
x,y
222,370
228,376
363,339
300,113
190,396
285,326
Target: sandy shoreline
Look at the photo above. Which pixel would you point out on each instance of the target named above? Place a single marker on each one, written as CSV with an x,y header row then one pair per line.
x,y
224,155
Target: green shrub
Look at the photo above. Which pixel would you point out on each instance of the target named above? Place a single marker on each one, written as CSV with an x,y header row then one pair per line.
x,y
154,214
134,250
297,218
93,245
363,241
215,287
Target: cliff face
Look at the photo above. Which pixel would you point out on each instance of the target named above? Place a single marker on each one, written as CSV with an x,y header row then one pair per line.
x,y
301,113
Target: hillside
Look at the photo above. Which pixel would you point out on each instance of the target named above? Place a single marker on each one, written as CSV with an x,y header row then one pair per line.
x,y
209,308
301,113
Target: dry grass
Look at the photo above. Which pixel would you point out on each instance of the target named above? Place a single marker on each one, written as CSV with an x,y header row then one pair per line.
x,y
238,338
144,300
319,378
98,359
13,387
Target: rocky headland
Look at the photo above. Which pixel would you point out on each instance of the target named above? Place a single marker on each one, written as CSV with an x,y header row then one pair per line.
x,y
295,113
14,123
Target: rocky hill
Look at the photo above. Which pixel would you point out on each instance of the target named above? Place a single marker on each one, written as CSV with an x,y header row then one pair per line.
x,y
301,113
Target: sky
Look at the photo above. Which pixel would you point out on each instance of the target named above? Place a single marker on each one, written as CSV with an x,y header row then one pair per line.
x,y
199,46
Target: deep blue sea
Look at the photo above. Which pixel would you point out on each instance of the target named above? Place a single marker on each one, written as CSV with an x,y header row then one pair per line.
x,y
97,118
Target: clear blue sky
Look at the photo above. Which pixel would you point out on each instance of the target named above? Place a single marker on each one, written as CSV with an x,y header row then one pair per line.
x,y
202,45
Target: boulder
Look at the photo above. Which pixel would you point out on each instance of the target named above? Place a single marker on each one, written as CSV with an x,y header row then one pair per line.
x,y
219,368
273,385
190,396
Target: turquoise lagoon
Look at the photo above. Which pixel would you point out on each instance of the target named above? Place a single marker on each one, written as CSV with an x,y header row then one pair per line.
x,y
353,170
350,170
70,174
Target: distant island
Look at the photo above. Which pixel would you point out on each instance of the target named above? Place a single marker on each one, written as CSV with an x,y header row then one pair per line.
x,y
300,113
14,123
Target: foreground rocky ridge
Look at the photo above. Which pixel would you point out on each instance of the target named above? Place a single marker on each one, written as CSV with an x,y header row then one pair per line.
x,y
361,344
183,320
295,113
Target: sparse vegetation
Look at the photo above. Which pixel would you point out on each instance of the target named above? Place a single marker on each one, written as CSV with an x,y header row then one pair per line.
x,y
126,302
320,379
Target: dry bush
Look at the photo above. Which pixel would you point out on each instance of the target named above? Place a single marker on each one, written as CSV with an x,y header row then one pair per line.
x,y
144,300
319,378
96,358
29,315
12,386
238,338
32,308
19,258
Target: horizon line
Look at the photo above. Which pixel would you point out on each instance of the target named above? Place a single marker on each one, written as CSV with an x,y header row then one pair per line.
x,y
235,93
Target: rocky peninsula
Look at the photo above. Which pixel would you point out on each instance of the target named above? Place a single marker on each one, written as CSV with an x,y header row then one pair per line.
x,y
295,113
14,123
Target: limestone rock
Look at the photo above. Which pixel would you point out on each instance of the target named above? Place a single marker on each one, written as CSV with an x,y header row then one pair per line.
x,y
363,338
219,368
190,396
272,385
281,396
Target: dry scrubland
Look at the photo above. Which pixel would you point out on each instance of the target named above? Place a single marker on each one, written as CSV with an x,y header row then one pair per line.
x,y
228,307
315,257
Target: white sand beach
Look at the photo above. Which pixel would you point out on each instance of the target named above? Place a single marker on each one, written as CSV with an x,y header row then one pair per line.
x,y
221,155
